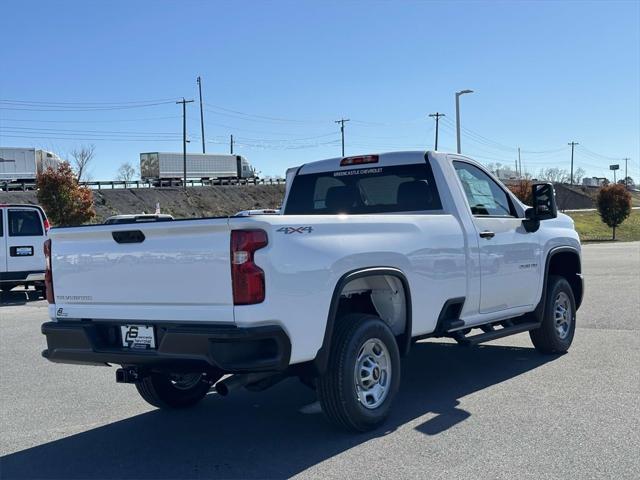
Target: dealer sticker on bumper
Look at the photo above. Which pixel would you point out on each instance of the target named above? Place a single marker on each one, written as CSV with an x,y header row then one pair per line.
x,y
138,336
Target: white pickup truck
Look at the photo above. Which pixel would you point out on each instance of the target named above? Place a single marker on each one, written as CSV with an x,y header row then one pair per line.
x,y
368,254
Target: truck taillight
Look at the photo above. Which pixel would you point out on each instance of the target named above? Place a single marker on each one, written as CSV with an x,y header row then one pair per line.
x,y
358,160
247,278
47,225
48,273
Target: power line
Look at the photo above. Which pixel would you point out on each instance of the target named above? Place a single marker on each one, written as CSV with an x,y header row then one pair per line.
x,y
31,102
90,138
288,139
90,121
598,155
259,117
480,138
86,109
74,131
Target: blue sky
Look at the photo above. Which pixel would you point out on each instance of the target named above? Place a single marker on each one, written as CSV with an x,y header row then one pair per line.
x,y
277,74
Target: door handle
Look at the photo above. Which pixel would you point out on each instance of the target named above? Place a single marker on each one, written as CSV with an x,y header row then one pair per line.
x,y
487,234
128,236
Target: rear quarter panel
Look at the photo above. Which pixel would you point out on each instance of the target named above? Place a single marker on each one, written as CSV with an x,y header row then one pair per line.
x,y
302,267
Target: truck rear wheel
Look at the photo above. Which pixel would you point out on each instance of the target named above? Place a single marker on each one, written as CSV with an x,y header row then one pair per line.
x,y
173,391
363,374
559,324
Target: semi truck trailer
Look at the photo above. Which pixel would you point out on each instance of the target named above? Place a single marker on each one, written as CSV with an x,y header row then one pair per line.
x,y
24,164
157,166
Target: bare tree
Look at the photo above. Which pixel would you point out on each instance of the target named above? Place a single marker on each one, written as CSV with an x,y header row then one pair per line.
x,y
502,171
126,172
555,175
82,157
578,175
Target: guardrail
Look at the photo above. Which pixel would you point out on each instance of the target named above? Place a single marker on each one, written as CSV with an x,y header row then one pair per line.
x,y
114,184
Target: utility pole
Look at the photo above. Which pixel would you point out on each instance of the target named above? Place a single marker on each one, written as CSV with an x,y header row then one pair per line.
x,y
626,183
573,144
341,122
519,164
437,116
184,140
199,80
231,144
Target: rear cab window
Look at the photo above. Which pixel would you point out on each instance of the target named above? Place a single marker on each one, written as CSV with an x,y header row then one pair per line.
x,y
24,223
367,190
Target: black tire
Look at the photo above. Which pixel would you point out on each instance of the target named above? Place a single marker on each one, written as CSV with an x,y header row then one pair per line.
x,y
547,338
160,391
337,389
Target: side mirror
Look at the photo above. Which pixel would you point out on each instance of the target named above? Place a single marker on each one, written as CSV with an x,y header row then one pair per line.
x,y
544,206
544,201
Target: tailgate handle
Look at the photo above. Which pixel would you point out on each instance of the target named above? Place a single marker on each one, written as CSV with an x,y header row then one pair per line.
x,y
128,236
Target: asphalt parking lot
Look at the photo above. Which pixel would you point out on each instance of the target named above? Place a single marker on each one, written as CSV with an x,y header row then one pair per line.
x,y
500,410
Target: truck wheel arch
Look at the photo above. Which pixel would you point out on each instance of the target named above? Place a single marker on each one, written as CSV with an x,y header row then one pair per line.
x,y
404,339
571,269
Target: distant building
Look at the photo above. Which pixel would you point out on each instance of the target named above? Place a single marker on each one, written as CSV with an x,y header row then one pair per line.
x,y
593,181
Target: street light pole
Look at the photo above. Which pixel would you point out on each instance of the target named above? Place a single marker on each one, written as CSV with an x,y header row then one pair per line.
x,y
461,92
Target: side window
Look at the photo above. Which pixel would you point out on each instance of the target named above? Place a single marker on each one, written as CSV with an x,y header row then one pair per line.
x,y
24,223
1,225
485,196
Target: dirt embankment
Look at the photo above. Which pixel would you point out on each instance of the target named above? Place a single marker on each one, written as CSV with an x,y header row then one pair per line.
x,y
190,203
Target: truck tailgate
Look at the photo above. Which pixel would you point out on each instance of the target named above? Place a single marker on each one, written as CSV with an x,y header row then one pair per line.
x,y
175,271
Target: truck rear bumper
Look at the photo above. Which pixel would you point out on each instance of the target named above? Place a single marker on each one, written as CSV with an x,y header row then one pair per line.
x,y
226,348
18,277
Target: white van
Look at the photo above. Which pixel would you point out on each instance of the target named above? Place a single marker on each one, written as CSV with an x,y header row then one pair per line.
x,y
23,230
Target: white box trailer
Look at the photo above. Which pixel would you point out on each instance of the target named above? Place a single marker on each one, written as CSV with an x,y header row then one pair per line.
x,y
200,166
24,164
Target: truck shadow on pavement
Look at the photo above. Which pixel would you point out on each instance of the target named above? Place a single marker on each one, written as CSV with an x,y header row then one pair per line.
x,y
18,297
264,435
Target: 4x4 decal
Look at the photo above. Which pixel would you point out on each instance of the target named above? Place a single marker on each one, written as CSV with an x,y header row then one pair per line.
x,y
289,230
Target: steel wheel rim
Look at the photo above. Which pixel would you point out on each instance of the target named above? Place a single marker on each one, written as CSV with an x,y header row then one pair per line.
x,y
372,373
186,381
562,316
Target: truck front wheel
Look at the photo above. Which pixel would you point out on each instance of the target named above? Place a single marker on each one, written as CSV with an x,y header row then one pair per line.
x,y
555,334
363,374
173,391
